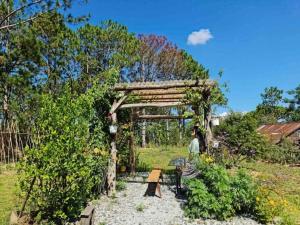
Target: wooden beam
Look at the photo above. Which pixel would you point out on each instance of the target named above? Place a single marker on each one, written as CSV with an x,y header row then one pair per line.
x,y
158,117
159,92
152,104
117,104
161,100
162,85
178,96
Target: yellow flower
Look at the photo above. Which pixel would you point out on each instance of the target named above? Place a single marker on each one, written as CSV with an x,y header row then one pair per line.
x,y
257,199
272,203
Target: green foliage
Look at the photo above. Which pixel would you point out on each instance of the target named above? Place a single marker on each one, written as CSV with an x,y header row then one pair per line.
x,y
284,153
65,159
271,109
272,96
243,191
120,185
108,45
240,140
238,133
267,208
294,104
224,157
200,202
58,49
216,194
140,207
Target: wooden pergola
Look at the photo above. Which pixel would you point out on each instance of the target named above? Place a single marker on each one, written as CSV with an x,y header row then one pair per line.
x,y
151,94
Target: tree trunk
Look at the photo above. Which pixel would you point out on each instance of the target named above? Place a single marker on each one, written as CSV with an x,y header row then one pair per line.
x,y
112,164
5,104
5,97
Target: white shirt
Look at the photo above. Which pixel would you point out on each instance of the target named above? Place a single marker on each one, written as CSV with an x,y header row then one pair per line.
x,y
194,146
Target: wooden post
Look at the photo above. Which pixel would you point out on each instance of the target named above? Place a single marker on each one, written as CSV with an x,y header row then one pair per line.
x,y
111,174
207,121
131,146
208,131
180,129
144,130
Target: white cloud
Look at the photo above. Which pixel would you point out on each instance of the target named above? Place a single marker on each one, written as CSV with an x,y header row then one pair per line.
x,y
199,37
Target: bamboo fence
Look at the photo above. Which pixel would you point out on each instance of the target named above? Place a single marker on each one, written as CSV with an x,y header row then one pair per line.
x,y
12,142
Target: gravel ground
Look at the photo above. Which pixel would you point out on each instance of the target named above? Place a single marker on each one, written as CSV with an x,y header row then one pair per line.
x,y
130,207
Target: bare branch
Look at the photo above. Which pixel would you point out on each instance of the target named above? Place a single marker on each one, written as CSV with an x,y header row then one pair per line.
x,y
19,9
21,22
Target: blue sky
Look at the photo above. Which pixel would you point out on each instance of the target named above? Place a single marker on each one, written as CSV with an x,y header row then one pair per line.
x,y
255,42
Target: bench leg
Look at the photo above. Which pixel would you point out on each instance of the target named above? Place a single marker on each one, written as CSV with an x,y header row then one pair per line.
x,y
151,189
158,189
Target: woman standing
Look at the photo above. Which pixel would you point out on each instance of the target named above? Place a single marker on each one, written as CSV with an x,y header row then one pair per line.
x,y
194,147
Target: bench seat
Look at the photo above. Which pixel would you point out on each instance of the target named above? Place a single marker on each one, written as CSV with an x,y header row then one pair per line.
x,y
153,183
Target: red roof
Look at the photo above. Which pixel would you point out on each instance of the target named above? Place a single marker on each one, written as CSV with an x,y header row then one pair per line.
x,y
278,131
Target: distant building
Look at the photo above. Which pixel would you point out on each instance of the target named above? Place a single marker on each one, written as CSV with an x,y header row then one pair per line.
x,y
277,132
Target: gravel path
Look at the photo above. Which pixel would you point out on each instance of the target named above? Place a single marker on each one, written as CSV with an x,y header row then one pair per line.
x,y
130,207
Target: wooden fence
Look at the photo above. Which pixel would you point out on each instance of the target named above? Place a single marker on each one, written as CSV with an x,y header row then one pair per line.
x,y
12,142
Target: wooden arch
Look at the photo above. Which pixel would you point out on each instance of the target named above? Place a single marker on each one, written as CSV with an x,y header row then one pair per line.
x,y
150,94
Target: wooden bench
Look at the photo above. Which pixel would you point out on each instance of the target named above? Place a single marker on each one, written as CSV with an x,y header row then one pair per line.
x,y
153,183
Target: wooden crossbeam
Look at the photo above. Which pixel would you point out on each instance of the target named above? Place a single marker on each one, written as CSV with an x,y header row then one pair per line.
x,y
174,96
161,100
158,117
152,104
162,85
159,92
117,104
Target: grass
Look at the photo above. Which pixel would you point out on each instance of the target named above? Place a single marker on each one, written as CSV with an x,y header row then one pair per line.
x,y
159,157
8,197
282,181
140,207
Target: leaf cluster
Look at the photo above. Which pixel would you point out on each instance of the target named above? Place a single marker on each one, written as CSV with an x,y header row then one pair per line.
x,y
216,194
67,159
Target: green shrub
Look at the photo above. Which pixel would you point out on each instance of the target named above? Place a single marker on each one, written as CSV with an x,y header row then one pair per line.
x,y
224,157
120,185
266,208
200,202
238,134
243,191
69,157
219,195
209,196
285,152
216,194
